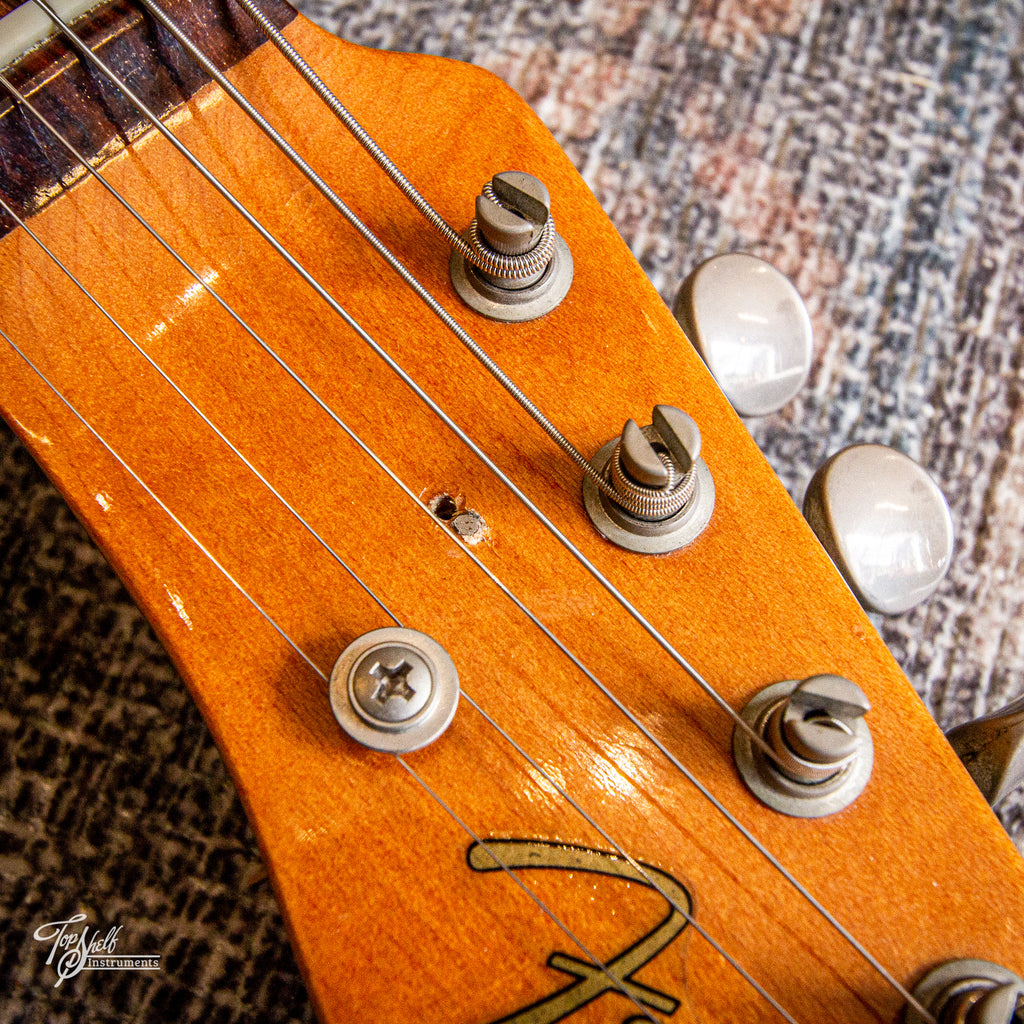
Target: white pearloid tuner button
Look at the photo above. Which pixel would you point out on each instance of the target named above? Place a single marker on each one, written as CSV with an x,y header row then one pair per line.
x,y
884,523
750,327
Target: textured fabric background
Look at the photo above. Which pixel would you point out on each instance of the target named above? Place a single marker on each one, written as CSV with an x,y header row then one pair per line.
x,y
872,151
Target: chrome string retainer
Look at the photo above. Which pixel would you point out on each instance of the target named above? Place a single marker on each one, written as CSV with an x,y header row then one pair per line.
x,y
394,690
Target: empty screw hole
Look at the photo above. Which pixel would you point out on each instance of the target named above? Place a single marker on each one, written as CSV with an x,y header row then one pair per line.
x,y
444,507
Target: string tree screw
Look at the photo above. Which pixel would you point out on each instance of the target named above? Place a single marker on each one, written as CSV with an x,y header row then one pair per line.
x,y
663,494
522,268
394,690
823,750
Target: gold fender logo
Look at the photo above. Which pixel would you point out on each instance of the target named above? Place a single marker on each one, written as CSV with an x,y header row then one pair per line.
x,y
591,982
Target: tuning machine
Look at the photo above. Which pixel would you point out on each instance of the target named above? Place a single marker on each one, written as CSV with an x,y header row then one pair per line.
x,y
751,328
521,267
969,992
662,492
992,750
821,745
884,523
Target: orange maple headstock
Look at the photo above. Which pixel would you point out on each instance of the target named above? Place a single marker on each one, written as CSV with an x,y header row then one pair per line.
x,y
394,912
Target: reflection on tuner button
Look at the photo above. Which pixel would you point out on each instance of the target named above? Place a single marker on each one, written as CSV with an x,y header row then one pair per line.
x,y
884,523
750,327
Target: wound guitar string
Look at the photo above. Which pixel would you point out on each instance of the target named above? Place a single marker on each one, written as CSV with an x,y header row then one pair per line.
x,y
432,303
447,420
401,374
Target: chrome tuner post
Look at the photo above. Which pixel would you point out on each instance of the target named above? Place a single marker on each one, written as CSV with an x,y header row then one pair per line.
x,y
821,742
969,992
522,268
663,491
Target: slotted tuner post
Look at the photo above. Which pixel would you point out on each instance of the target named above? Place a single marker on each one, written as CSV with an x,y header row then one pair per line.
x,y
663,491
969,992
514,227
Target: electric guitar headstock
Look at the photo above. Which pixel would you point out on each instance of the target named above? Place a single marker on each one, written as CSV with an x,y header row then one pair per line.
x,y
540,794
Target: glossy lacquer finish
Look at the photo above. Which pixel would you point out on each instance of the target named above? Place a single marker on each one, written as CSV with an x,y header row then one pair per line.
x,y
751,327
395,913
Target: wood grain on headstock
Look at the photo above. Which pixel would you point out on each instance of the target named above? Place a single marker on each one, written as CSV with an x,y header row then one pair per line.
x,y
387,920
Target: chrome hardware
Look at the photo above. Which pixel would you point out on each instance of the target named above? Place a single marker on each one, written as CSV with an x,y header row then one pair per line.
x,y
884,523
992,750
394,690
969,992
664,494
816,729
751,328
523,267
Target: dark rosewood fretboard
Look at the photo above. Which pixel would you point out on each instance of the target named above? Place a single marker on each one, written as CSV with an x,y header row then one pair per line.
x,y
34,166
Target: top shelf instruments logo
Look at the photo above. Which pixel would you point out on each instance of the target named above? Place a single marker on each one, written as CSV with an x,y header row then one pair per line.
x,y
74,949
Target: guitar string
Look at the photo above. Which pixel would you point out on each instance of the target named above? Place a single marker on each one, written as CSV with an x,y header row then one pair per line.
x,y
319,538
617,982
508,266
311,530
322,293
847,935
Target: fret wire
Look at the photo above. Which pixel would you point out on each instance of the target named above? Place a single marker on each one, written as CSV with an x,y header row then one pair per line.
x,y
544,520
294,645
597,575
309,528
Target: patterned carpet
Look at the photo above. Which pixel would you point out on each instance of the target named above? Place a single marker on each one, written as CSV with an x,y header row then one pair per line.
x,y
873,152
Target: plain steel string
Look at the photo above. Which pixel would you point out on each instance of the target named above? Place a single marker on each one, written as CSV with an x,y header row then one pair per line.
x,y
497,582
352,435
620,985
159,369
336,107
630,609
482,566
609,587
307,526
